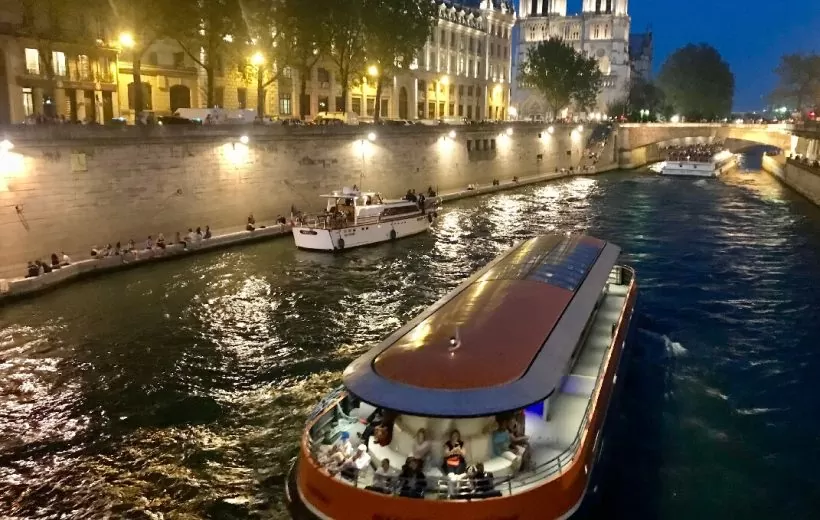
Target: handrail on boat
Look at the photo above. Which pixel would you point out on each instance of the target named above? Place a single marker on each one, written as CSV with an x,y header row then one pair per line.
x,y
556,465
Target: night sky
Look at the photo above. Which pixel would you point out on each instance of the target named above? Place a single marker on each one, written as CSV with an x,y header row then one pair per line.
x,y
750,34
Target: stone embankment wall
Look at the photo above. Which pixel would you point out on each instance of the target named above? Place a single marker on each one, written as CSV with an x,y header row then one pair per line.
x,y
802,179
67,188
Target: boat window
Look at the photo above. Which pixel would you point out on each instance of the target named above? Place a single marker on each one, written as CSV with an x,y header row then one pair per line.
x,y
399,210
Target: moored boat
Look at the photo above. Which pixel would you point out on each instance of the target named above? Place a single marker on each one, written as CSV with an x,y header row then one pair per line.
x,y
521,360
353,218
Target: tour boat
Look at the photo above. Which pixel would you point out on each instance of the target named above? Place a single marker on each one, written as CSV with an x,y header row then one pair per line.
x,y
719,163
539,335
354,218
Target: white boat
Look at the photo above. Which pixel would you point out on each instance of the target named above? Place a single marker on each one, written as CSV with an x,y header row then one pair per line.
x,y
719,163
354,218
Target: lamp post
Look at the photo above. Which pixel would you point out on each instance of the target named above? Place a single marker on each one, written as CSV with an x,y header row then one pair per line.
x,y
257,60
126,41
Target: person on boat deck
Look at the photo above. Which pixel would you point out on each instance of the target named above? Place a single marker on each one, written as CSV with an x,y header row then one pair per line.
x,y
251,223
381,420
454,461
421,203
384,479
504,440
482,482
519,443
368,201
353,465
412,481
430,192
338,453
422,448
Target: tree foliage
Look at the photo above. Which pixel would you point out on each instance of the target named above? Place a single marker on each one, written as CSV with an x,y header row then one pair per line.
x,y
799,81
346,34
212,33
395,31
562,75
642,95
698,83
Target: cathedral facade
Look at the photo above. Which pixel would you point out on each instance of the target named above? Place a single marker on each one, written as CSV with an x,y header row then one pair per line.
x,y
601,31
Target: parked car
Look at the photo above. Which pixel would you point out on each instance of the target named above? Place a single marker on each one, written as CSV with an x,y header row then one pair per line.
x,y
176,120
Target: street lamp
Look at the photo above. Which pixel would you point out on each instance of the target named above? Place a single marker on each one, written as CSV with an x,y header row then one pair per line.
x,y
452,134
127,40
373,71
371,137
257,60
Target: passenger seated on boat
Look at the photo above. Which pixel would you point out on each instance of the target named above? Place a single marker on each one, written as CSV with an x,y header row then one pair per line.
x,y
368,201
505,441
412,481
482,482
379,418
353,465
422,448
384,480
454,461
430,192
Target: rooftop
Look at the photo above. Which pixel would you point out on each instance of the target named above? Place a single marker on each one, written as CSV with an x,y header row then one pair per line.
x,y
500,341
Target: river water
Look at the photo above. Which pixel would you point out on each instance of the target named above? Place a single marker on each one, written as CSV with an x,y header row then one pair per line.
x,y
178,390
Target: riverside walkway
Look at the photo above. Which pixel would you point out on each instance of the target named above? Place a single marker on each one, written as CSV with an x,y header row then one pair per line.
x,y
17,287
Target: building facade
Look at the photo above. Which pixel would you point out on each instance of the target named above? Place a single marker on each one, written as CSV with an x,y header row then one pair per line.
x,y
56,63
601,31
463,71
640,55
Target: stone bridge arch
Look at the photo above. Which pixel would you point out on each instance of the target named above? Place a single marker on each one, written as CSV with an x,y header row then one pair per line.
x,y
638,144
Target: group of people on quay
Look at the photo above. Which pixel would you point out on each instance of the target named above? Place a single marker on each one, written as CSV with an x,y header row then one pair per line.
x,y
130,251
692,152
350,460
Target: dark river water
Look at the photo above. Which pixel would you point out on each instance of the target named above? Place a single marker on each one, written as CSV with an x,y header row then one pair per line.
x,y
178,390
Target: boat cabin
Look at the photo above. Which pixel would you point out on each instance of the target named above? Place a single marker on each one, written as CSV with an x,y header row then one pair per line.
x,y
517,364
353,207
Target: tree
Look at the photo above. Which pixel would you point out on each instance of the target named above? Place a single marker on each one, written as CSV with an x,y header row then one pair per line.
x,y
346,34
307,24
268,47
642,95
143,23
396,30
562,75
698,83
799,81
209,31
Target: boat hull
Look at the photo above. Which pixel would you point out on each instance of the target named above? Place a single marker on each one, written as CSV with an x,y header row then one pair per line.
x,y
312,494
318,239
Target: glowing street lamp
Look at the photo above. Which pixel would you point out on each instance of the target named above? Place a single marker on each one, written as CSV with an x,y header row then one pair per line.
x,y
373,71
257,59
244,139
509,131
445,80
371,137
452,134
127,40
6,145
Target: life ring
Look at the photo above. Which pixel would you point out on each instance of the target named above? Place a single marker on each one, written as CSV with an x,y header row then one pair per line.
x,y
429,217
392,234
341,243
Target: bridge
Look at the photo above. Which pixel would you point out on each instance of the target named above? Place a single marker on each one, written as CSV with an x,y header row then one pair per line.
x,y
640,144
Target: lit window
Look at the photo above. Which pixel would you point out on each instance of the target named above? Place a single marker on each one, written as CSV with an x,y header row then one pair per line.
x,y
58,63
28,102
32,61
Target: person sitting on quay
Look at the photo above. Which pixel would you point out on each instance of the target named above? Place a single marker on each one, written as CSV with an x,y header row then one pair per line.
x,y
65,260
117,249
178,239
33,270
251,223
131,246
207,234
198,236
95,253
55,261
161,241
149,244
281,220
190,238
44,266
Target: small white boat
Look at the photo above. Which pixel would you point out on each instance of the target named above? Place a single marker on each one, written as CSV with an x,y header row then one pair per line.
x,y
718,164
354,218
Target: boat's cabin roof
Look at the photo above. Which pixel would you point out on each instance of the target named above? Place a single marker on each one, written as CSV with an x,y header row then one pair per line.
x,y
501,341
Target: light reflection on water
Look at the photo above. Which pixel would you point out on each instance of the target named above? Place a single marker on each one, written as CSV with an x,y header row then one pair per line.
x,y
181,388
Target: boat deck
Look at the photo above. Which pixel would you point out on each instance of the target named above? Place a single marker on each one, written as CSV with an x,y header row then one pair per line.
x,y
552,442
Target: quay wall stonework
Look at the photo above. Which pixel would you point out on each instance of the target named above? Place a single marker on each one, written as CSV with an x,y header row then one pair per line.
x,y
70,189
802,179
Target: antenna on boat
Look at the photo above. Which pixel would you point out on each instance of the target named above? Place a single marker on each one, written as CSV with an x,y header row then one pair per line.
x,y
455,342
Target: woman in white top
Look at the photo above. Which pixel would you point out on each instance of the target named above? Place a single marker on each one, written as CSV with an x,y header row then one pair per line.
x,y
422,447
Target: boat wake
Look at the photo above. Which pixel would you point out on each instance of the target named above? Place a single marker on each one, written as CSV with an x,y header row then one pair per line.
x,y
671,348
